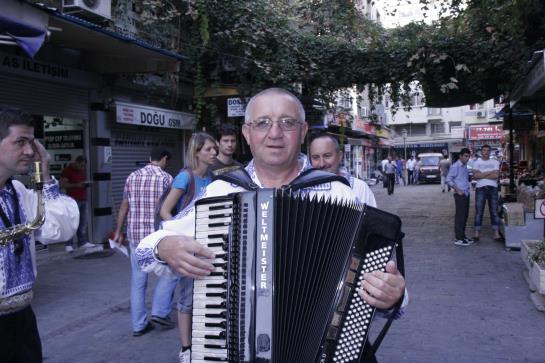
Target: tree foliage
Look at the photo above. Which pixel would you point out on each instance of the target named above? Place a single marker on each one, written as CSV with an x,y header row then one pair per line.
x,y
476,51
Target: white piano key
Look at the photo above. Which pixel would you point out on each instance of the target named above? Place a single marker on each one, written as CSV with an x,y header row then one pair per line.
x,y
209,280
206,207
203,312
208,221
197,344
201,333
202,303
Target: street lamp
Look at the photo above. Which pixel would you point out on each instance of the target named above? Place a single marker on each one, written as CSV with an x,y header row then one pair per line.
x,y
404,136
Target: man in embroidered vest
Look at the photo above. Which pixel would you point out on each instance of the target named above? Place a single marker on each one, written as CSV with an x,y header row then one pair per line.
x,y
19,337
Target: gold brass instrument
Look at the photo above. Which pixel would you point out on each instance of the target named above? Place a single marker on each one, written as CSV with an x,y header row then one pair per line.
x,y
13,233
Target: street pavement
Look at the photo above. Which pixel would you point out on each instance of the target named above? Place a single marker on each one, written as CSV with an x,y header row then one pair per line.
x,y
467,304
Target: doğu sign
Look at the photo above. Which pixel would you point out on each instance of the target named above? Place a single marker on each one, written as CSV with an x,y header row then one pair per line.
x,y
127,113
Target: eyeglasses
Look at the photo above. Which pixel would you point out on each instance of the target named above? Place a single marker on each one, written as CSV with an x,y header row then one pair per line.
x,y
264,124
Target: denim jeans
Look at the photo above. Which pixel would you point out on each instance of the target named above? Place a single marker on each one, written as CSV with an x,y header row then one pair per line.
x,y
482,195
185,301
162,296
82,234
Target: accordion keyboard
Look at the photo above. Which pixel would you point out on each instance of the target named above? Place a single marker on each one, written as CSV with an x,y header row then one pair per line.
x,y
210,293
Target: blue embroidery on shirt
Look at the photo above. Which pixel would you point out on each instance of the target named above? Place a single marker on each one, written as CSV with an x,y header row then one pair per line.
x,y
144,257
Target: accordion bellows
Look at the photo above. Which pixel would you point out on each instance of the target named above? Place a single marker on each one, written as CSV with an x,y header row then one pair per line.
x,y
287,269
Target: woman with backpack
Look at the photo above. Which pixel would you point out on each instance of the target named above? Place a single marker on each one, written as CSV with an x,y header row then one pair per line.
x,y
188,185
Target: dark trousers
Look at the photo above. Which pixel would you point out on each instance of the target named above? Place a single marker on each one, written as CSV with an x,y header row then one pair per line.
x,y
19,338
461,203
410,176
390,182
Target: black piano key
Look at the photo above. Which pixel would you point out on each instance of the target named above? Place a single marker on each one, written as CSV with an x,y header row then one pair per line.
x,y
216,359
223,285
220,315
222,206
213,216
215,346
215,325
216,294
223,305
221,224
220,336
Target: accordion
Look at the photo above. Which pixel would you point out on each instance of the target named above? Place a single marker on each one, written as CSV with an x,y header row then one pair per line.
x,y
287,270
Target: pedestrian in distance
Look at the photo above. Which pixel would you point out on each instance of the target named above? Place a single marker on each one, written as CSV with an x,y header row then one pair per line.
x,y
411,164
486,172
326,154
74,181
457,178
274,129
390,169
444,167
417,166
400,166
141,194
189,185
19,336
227,145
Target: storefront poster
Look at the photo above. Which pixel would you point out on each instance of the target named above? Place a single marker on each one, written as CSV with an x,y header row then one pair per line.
x,y
69,139
236,107
485,132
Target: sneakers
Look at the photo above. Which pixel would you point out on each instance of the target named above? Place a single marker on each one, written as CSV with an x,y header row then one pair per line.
x,y
184,356
149,327
87,245
69,248
463,242
165,323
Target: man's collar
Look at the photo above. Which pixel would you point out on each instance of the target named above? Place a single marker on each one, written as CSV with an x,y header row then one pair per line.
x,y
302,160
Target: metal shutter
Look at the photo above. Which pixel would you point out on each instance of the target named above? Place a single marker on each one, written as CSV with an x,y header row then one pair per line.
x,y
44,98
131,146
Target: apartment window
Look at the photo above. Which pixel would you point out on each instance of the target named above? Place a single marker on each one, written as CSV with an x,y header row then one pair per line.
x,y
476,106
454,124
363,111
437,128
344,102
434,111
417,130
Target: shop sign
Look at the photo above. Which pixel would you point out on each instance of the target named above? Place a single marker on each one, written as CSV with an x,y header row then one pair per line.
x,y
139,115
457,132
236,107
334,118
13,64
485,132
382,133
423,146
69,139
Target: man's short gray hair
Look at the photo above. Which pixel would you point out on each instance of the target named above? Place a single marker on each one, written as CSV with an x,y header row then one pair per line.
x,y
330,137
274,91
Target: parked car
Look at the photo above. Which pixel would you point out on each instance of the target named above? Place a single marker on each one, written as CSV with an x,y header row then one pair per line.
x,y
429,169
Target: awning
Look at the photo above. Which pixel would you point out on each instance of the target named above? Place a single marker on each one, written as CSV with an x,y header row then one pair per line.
x,y
530,90
107,51
23,26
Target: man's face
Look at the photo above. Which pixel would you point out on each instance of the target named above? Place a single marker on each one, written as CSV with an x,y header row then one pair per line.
x,y
324,155
227,145
485,153
80,165
17,150
464,158
275,147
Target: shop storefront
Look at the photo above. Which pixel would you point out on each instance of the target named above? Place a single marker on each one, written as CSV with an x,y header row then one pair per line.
x,y
487,134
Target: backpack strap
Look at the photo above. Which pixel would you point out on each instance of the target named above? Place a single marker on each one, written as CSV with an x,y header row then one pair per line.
x,y
238,177
313,177
308,178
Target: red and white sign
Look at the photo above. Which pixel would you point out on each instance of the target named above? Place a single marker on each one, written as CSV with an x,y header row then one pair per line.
x,y
485,132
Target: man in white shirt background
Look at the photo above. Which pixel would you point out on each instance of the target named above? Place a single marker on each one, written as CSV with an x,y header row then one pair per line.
x,y
486,173
326,154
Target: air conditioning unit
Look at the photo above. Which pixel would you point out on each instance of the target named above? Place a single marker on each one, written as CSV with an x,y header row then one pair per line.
x,y
89,9
480,114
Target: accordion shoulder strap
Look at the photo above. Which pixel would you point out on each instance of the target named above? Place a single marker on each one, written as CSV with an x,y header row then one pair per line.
x,y
312,177
308,178
238,177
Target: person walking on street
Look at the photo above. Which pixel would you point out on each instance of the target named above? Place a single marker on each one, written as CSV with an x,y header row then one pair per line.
x,y
444,167
141,195
227,145
457,178
19,337
400,166
411,164
416,174
390,173
74,181
486,172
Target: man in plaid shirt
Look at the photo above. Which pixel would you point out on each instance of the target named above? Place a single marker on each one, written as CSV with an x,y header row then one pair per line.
x,y
143,189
